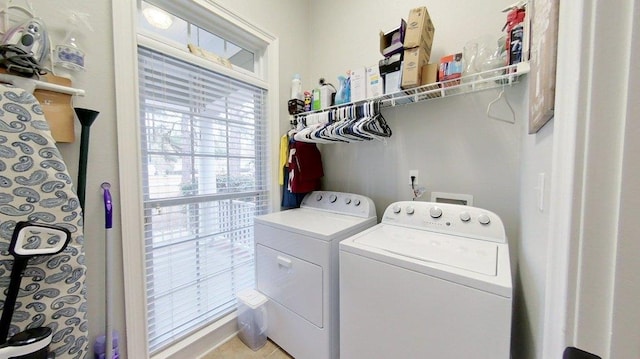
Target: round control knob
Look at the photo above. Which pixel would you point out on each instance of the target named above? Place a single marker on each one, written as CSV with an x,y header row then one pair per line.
x,y
347,200
410,210
333,198
465,217
396,209
356,202
318,197
484,219
435,212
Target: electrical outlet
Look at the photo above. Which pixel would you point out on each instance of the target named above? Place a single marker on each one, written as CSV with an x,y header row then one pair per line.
x,y
413,173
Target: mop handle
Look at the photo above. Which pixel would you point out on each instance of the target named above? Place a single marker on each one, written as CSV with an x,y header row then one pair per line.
x,y
108,211
108,206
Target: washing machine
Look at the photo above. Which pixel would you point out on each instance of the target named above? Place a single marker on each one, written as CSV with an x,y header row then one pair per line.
x,y
432,280
297,269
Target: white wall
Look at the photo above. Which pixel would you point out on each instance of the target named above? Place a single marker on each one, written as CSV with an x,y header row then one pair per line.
x,y
589,291
602,240
530,280
626,317
450,141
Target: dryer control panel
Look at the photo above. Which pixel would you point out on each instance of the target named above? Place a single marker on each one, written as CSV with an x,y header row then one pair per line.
x,y
459,220
340,202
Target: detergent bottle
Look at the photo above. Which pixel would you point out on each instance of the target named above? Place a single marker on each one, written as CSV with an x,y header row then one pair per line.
x,y
343,95
296,88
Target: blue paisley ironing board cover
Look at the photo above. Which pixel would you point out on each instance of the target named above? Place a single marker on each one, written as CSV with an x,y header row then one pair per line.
x,y
35,186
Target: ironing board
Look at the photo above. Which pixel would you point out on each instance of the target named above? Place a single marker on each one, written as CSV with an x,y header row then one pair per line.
x,y
35,186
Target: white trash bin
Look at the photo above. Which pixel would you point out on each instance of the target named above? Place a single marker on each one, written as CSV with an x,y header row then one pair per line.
x,y
252,318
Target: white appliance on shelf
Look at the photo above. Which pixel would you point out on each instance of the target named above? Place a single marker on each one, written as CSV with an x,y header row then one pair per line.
x,y
432,280
297,269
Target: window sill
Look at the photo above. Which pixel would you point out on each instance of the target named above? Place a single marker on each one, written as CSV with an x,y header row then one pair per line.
x,y
203,341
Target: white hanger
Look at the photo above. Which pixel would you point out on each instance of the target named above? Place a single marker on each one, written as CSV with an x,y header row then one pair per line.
x,y
6,21
501,95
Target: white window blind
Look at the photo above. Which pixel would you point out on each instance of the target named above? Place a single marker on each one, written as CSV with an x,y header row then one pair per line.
x,y
205,178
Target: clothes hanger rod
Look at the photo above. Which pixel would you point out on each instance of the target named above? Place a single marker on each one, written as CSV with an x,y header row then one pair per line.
x,y
31,85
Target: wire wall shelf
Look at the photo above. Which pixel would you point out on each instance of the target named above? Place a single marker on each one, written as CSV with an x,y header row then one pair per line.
x,y
480,81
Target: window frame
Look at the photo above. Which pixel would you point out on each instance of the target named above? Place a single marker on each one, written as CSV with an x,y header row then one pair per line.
x,y
181,104
129,156
256,46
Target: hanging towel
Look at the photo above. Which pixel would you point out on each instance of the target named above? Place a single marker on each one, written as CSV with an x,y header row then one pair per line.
x,y
290,199
305,167
284,155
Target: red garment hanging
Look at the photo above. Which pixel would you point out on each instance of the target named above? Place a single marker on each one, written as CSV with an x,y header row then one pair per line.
x,y
305,167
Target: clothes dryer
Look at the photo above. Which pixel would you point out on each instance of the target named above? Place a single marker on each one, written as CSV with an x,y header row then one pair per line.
x,y
432,280
297,269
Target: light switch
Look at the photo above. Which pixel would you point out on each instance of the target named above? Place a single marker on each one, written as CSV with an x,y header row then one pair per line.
x,y
540,191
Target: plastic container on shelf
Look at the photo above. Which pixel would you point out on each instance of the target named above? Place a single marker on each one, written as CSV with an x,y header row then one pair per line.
x,y
296,88
69,56
252,318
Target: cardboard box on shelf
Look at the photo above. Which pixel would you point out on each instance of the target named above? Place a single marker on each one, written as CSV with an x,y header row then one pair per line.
x,y
375,87
358,81
391,73
413,61
392,81
392,42
430,76
420,30
450,70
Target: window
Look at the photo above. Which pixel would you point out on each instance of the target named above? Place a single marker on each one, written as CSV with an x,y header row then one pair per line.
x,y
183,32
203,145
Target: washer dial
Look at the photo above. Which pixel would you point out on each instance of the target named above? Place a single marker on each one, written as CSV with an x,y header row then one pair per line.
x,y
435,212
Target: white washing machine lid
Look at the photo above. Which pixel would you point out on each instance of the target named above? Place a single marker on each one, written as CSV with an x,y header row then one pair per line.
x,y
315,223
471,262
472,255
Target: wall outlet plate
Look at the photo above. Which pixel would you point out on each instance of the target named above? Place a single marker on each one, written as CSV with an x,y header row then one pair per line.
x,y
413,173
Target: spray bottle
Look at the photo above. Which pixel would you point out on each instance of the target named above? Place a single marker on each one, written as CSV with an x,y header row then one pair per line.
x,y
68,55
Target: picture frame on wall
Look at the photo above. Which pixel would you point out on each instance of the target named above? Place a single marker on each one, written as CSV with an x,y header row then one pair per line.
x,y
543,52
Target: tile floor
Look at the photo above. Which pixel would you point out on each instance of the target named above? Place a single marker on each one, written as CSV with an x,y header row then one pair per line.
x,y
235,349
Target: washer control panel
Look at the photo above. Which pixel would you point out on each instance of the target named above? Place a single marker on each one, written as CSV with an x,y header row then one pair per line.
x,y
447,218
340,202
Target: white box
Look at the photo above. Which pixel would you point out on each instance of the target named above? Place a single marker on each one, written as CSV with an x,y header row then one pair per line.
x,y
375,87
327,94
392,81
358,81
